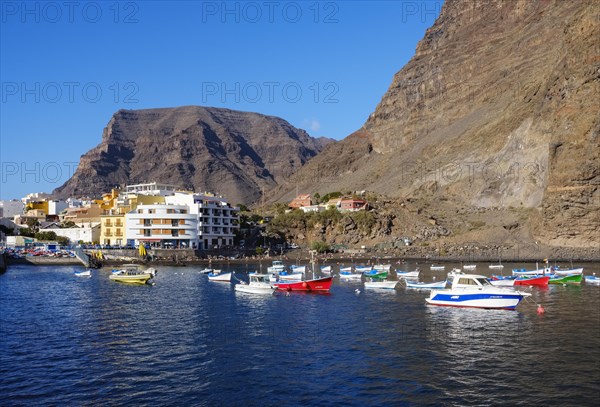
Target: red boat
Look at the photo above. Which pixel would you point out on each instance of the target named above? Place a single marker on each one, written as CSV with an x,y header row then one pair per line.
x,y
540,280
316,285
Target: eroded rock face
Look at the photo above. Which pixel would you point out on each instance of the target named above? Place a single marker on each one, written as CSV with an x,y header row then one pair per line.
x,y
499,107
220,150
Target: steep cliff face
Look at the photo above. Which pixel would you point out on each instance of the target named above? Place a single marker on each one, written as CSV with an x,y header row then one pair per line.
x,y
220,150
497,109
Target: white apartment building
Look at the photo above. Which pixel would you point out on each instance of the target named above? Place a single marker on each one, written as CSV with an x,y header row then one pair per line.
x,y
216,219
162,225
152,188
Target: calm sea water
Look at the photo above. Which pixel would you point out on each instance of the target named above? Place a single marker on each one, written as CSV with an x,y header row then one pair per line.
x,y
186,341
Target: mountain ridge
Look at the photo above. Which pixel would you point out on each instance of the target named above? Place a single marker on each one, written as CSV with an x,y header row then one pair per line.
x,y
237,154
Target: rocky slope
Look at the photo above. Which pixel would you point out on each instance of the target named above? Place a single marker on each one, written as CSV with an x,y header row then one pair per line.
x,y
498,109
205,149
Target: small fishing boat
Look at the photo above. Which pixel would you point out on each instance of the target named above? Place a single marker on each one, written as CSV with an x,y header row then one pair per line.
x,y
469,266
380,285
433,267
496,266
475,291
536,272
86,273
259,284
132,274
346,270
285,275
376,274
566,272
574,279
206,271
315,285
532,280
382,267
350,276
298,269
276,267
219,276
426,286
408,274
592,280
363,269
326,269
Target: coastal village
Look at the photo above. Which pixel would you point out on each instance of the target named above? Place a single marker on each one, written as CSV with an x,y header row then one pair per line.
x,y
154,215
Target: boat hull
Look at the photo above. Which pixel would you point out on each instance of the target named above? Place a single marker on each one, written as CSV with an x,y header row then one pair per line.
x,y
537,281
223,278
496,266
139,279
573,279
290,276
560,272
427,286
491,300
255,289
316,285
592,280
407,274
437,268
381,285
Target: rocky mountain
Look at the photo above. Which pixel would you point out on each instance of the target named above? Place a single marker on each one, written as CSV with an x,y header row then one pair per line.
x,y
498,110
237,154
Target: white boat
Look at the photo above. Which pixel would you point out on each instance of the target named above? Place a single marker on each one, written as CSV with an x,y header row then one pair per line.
x,y
565,272
86,273
408,274
206,271
259,284
382,267
437,268
362,269
469,266
496,266
217,275
524,272
133,274
349,276
380,285
326,269
426,286
298,269
475,291
276,267
284,275
346,270
592,280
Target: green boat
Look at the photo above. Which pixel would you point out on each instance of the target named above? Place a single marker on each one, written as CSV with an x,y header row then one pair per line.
x,y
570,279
380,275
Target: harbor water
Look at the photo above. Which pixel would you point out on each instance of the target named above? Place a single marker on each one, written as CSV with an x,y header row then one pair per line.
x,y
66,340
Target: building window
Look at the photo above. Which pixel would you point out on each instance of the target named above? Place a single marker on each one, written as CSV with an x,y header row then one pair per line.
x,y
175,232
174,222
147,222
147,232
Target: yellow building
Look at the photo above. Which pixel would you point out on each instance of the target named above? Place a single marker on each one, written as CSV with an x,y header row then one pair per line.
x,y
112,226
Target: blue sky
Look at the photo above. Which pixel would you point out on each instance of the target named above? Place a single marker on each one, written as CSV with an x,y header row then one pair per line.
x,y
66,67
